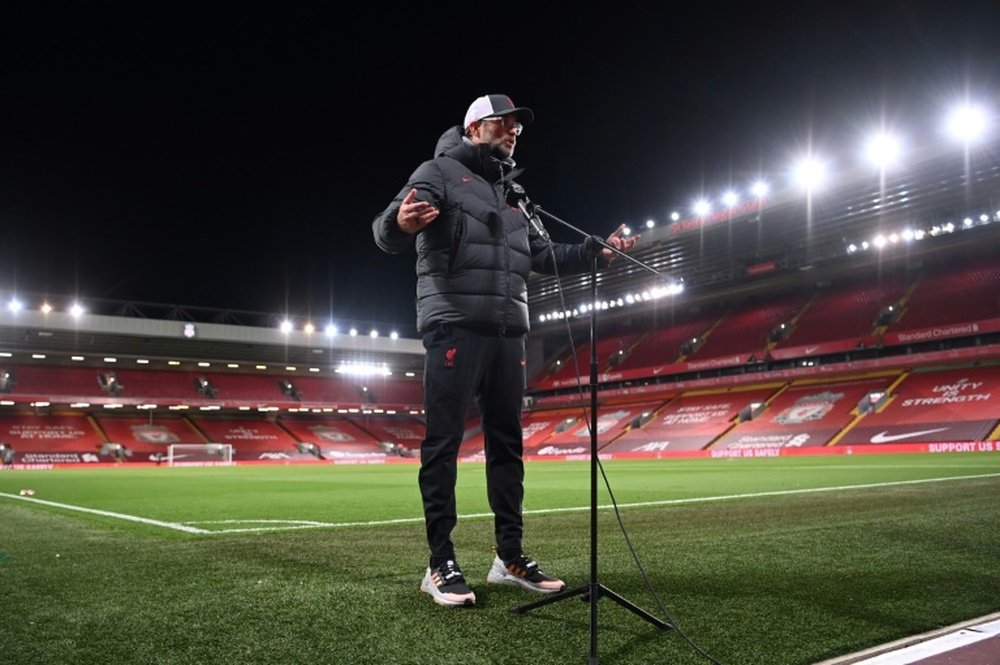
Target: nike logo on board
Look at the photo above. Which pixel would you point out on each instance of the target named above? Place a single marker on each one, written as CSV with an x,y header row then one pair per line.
x,y
885,437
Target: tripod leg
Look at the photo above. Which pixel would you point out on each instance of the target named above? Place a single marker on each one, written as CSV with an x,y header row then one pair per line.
x,y
580,591
604,591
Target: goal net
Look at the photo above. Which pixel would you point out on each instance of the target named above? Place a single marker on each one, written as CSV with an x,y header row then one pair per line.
x,y
200,454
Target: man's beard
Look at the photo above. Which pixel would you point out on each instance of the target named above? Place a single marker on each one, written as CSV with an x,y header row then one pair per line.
x,y
501,151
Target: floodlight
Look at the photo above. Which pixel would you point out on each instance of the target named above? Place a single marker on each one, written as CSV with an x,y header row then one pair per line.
x,y
701,207
759,189
729,198
309,329
675,216
46,308
76,310
394,335
650,223
331,330
15,305
967,123
373,334
883,150
809,173
363,369
286,326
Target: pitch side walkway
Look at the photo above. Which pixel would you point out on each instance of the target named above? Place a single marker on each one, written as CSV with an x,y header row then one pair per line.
x,y
975,642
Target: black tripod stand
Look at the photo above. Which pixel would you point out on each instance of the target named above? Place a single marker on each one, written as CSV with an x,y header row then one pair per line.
x,y
594,590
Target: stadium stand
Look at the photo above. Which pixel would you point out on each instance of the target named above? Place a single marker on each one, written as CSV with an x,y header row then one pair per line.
x,y
48,382
572,435
841,317
335,438
610,352
253,439
955,405
743,334
663,345
951,301
53,439
403,434
783,339
803,414
144,438
691,421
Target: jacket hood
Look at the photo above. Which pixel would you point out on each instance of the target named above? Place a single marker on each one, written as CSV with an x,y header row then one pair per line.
x,y
475,156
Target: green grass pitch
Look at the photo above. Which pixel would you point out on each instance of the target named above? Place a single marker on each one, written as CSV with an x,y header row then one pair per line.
x,y
768,561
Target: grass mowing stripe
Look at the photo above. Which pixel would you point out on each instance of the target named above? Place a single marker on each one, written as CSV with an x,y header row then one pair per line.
x,y
297,525
105,513
577,509
757,495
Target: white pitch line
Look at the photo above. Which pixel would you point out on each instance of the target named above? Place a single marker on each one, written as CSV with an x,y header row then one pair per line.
x,y
105,513
756,495
304,524
640,504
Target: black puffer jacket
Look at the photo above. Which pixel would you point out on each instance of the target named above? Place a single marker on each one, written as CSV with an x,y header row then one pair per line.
x,y
473,261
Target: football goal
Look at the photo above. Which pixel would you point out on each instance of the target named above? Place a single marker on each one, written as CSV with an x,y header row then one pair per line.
x,y
199,454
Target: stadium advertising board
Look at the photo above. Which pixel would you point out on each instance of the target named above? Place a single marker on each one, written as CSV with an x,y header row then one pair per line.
x,y
939,407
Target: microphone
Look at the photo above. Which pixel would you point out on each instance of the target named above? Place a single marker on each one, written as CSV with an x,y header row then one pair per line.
x,y
528,210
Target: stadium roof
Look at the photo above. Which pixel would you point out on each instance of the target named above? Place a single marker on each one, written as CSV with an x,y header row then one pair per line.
x,y
58,337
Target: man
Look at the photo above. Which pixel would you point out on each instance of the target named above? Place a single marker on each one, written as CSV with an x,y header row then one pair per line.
x,y
475,250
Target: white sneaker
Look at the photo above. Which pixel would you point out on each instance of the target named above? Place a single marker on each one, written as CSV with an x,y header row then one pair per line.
x,y
446,585
525,573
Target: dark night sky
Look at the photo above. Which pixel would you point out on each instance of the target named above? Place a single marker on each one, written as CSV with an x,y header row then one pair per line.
x,y
234,158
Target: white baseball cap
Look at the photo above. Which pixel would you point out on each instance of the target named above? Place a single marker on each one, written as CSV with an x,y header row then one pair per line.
x,y
493,105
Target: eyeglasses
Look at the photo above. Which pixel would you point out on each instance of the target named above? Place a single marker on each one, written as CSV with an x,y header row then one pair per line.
x,y
508,122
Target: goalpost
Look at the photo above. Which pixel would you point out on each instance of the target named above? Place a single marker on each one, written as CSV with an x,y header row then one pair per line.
x,y
200,454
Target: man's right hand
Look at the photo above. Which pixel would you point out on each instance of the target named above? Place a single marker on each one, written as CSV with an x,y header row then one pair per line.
x,y
414,215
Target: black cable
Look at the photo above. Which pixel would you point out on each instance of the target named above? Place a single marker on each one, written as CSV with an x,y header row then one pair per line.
x,y
607,482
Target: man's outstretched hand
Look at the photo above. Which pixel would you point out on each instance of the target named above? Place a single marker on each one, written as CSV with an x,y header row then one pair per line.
x,y
414,215
618,241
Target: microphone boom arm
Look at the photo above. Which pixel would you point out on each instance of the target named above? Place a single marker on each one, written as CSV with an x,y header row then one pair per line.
x,y
600,241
